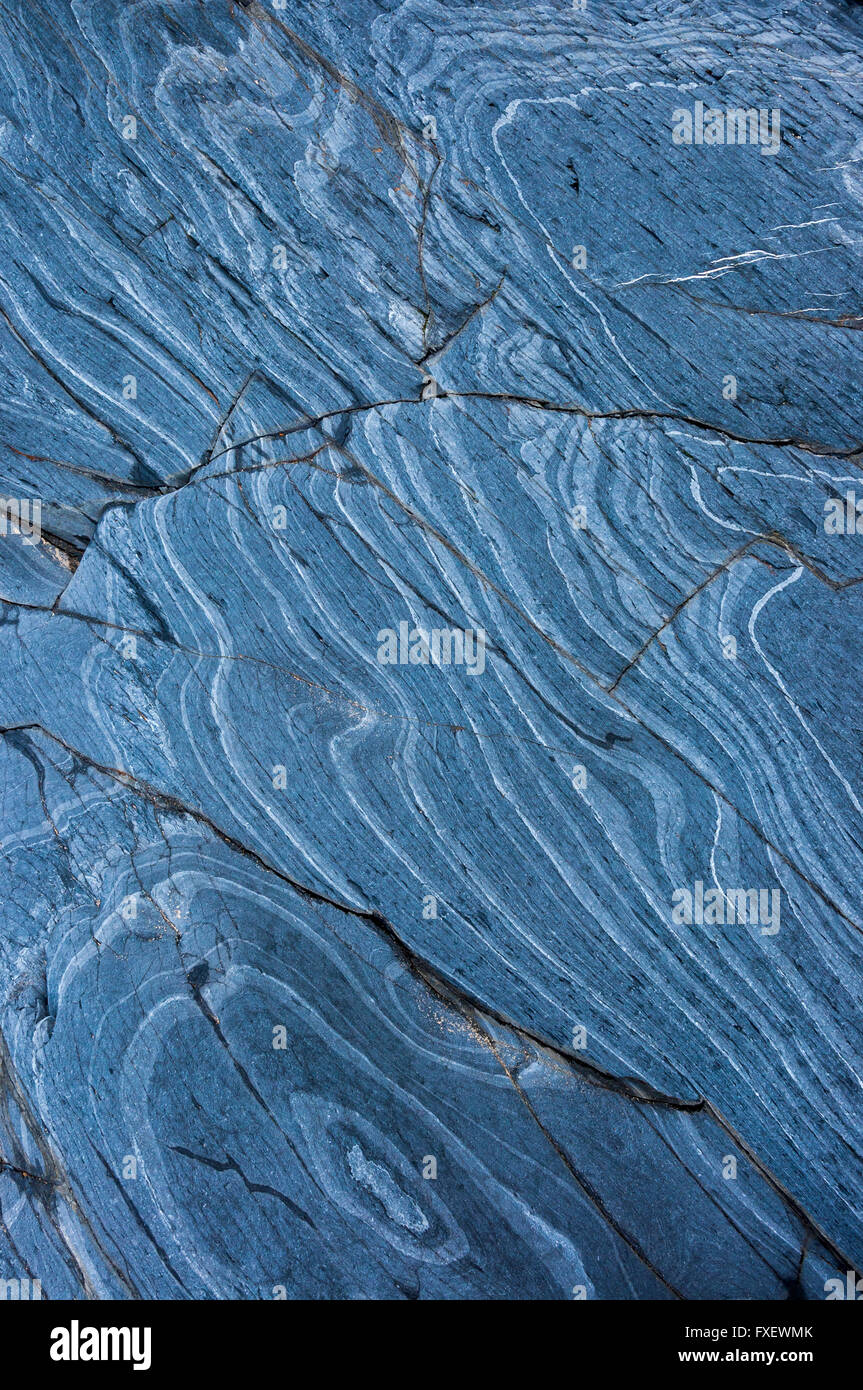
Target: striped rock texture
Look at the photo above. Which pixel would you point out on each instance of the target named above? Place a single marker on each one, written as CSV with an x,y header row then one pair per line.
x,y
429,649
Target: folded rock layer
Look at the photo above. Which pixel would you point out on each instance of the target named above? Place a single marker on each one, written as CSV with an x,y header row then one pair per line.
x,y
429,623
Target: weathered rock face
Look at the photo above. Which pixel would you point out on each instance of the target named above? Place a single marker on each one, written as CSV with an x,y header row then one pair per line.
x,y
431,824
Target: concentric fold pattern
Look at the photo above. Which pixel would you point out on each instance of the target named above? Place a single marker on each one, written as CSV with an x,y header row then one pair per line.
x,y
429,648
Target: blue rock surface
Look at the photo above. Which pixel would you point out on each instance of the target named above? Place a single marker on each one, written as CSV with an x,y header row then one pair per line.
x,y
429,646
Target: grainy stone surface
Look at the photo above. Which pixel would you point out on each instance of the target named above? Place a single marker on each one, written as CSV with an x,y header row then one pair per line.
x,y
327,328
